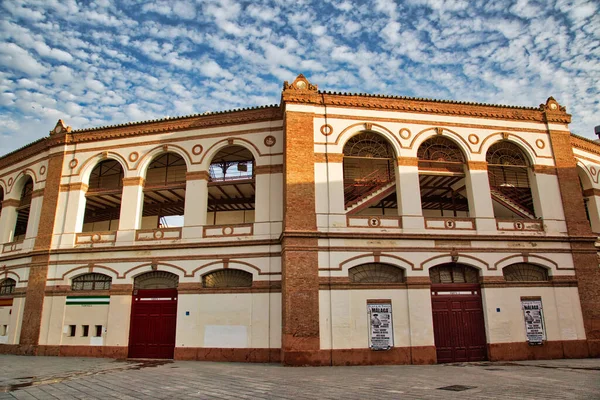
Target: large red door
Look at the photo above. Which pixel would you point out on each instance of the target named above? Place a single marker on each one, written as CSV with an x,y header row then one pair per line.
x,y
153,323
459,328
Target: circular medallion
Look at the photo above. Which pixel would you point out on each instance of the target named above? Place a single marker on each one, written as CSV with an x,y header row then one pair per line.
x,y
473,139
10,181
73,163
42,170
301,85
405,133
96,237
158,234
592,170
227,230
133,156
540,144
197,149
450,224
519,226
553,106
374,222
57,129
270,141
326,130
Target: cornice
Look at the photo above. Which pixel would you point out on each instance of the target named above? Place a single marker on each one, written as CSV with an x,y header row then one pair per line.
x,y
585,144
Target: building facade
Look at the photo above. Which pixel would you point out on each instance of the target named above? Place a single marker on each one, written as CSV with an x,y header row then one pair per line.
x,y
332,229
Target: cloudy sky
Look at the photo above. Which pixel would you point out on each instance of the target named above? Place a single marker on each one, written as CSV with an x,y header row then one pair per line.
x,y
95,63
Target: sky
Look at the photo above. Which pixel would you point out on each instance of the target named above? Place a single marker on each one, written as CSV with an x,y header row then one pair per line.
x,y
97,63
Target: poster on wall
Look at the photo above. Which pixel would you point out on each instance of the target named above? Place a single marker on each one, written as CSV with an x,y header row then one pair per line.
x,y
533,316
381,336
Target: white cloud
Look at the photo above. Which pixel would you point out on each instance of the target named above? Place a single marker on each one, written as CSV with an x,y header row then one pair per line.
x,y
15,58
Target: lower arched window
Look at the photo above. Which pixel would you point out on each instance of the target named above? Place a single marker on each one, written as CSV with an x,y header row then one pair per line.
x,y
525,272
376,273
156,280
453,273
7,286
227,278
92,281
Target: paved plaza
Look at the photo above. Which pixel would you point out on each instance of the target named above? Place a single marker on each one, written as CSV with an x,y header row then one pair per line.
x,y
88,378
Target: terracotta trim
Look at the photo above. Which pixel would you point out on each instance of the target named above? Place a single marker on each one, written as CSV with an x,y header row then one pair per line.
x,y
554,349
252,355
591,192
134,181
418,355
197,175
544,169
27,166
371,301
37,193
585,145
329,157
477,165
11,203
407,161
73,186
268,169
531,297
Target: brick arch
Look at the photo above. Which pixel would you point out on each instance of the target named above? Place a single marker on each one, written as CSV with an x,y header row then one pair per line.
x,y
212,151
376,258
88,165
585,174
457,258
19,183
527,258
358,128
160,266
224,264
75,272
428,133
148,157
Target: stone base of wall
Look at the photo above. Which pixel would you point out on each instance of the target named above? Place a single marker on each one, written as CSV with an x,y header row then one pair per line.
x,y
549,350
398,355
118,352
233,355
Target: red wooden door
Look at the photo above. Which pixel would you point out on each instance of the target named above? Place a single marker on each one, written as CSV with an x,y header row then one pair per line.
x,y
458,325
153,322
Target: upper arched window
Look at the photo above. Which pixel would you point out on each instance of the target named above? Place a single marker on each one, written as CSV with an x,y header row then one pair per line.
x,y
156,280
525,272
91,281
103,197
227,278
453,273
1,199
368,145
23,210
376,273
509,179
439,149
7,286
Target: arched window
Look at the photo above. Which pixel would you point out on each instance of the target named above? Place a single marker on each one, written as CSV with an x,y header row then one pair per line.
x,y
23,210
1,199
369,164
376,273
227,278
453,273
442,178
524,272
7,286
156,280
231,187
91,281
508,173
164,192
103,197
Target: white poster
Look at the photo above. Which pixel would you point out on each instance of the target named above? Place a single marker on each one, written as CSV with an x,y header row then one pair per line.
x,y
534,321
381,335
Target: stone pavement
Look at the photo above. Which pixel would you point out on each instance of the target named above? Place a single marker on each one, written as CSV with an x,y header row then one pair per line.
x,y
88,378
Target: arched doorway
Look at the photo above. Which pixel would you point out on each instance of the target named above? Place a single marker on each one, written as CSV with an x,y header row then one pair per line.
x,y
153,315
458,321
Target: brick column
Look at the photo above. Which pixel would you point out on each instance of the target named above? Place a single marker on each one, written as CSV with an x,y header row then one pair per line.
x,y
582,241
300,266
38,271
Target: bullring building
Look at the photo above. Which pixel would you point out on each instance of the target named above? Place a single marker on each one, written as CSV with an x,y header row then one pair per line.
x,y
331,229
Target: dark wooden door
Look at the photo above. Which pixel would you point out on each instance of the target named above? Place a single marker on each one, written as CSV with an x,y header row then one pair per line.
x,y
458,324
153,323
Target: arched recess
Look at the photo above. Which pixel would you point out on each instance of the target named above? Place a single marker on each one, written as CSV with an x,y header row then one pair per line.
x,y
231,187
510,178
1,199
370,175
591,201
525,272
453,273
23,209
156,280
91,281
103,197
7,286
442,180
376,273
227,278
164,192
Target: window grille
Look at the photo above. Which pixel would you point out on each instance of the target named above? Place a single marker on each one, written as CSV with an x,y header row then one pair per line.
x,y
156,280
8,286
376,273
227,278
368,145
92,281
506,153
453,273
440,149
525,272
